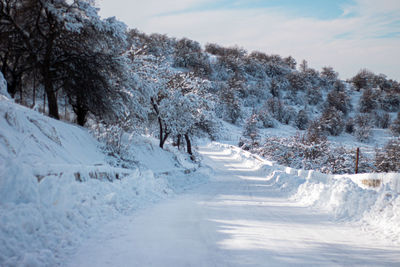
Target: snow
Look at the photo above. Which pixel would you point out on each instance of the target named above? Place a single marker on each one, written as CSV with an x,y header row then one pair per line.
x,y
3,88
57,188
62,203
240,218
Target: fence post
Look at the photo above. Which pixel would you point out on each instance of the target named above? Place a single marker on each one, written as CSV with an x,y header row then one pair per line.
x,y
357,157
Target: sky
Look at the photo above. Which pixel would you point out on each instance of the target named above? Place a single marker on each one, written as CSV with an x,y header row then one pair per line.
x,y
347,35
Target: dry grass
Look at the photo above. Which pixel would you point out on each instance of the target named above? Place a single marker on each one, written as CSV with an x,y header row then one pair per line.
x,y
372,182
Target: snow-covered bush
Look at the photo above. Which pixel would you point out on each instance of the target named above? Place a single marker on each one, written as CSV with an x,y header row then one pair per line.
x,y
395,127
388,158
338,99
251,128
280,111
313,95
381,119
332,121
302,120
363,128
266,119
363,79
230,110
390,102
350,126
368,100
115,141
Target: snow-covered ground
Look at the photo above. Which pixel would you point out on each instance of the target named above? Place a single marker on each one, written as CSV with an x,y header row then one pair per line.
x,y
57,188
63,203
243,217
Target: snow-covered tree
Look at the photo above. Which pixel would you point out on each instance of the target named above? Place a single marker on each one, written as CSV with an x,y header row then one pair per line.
x,y
68,46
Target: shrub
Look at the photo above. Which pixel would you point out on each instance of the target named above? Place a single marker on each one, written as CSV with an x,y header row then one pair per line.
x,y
381,119
313,95
395,127
332,121
338,99
302,120
350,126
251,129
390,102
266,118
368,101
363,128
388,159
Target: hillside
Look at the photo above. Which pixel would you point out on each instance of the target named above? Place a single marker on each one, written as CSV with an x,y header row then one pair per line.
x,y
58,184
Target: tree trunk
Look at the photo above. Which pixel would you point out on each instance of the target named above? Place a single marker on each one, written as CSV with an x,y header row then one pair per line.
x,y
34,92
12,88
51,100
81,116
179,141
47,79
189,146
163,139
163,131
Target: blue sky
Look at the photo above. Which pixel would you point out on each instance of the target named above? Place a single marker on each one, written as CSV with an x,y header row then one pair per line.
x,y
321,9
345,34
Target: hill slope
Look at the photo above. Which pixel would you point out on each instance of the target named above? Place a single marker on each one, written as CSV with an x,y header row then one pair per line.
x,y
57,186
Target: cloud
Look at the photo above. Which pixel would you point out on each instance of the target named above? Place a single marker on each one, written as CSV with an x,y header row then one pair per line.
x,y
365,35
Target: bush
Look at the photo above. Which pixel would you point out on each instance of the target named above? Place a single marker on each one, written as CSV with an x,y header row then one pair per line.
x,y
363,79
395,127
251,129
381,119
266,118
390,102
350,126
332,121
230,105
368,101
388,159
363,128
302,120
313,95
276,108
338,99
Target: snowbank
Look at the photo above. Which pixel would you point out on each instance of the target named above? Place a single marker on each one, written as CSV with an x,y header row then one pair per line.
x,y
346,197
56,186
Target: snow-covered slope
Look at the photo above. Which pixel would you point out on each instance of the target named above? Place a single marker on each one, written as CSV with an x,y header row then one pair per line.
x,y
56,186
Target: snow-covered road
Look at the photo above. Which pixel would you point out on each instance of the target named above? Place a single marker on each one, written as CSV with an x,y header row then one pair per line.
x,y
237,219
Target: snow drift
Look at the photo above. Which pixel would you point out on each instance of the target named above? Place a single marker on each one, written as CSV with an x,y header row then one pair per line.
x,y
344,196
56,186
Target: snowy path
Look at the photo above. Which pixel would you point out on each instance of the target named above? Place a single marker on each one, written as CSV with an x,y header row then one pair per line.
x,y
237,219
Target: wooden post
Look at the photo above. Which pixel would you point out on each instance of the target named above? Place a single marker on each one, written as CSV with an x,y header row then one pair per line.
x,y
357,158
